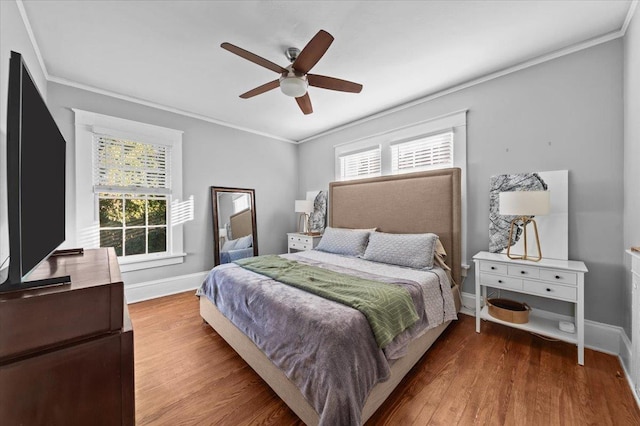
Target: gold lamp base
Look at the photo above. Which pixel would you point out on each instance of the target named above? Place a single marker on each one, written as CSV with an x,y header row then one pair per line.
x,y
525,220
303,223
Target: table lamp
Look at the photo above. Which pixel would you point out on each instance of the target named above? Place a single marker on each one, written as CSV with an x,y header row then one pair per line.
x,y
524,205
305,208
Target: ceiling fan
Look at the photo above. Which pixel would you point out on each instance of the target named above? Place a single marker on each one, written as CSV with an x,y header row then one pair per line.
x,y
295,79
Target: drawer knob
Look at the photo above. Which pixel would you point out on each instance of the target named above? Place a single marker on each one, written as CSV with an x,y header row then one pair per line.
x,y
557,277
523,272
500,281
493,268
548,289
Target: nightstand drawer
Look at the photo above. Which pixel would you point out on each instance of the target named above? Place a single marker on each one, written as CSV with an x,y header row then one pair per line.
x,y
499,281
560,277
300,246
300,239
551,290
524,271
494,268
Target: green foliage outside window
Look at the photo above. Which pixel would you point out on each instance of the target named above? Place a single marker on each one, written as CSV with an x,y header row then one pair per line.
x,y
133,224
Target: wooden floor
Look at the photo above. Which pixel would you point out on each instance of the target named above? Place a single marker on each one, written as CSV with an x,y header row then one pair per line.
x,y
187,375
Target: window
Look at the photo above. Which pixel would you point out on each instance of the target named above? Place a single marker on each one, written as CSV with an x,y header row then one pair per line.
x,y
240,203
131,181
434,143
425,153
360,164
128,190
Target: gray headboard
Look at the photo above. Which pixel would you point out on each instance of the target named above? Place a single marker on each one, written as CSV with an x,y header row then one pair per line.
x,y
410,203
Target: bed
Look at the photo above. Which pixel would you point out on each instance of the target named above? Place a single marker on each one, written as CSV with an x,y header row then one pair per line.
x,y
402,204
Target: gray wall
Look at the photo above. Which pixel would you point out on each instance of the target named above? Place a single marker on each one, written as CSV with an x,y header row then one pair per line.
x,y
13,36
631,150
213,155
563,114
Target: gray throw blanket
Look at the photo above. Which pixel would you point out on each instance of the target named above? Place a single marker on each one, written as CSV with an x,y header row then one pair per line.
x,y
388,308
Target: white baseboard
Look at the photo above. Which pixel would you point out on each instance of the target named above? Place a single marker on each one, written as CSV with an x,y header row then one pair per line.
x,y
625,360
164,287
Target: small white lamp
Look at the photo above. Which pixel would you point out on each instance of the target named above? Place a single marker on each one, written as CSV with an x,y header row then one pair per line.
x,y
305,207
524,205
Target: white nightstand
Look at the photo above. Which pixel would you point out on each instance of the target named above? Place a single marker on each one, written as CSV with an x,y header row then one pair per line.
x,y
550,278
296,241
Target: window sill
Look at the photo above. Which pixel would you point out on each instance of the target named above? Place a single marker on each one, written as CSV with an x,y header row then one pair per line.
x,y
149,261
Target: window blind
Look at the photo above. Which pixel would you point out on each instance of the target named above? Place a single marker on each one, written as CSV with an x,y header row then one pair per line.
x,y
361,164
424,153
125,166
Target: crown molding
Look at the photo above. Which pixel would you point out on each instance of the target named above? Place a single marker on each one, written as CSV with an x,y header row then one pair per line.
x,y
627,20
155,105
532,62
527,64
32,38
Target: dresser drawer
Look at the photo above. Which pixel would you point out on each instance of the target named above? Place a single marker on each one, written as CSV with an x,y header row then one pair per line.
x,y
523,271
550,290
500,281
299,239
635,264
560,277
493,267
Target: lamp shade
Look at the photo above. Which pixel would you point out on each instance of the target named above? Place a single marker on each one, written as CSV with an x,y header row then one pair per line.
x,y
304,206
524,203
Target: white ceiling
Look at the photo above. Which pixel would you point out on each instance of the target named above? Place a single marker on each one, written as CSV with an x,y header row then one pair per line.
x,y
168,52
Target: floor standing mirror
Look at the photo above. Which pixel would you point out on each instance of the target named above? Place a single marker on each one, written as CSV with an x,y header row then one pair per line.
x,y
235,235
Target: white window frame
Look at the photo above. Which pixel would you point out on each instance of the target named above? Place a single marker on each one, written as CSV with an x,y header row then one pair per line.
x,y
343,155
87,215
455,122
433,143
240,203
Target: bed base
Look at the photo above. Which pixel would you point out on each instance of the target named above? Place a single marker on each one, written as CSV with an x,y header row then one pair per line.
x,y
287,391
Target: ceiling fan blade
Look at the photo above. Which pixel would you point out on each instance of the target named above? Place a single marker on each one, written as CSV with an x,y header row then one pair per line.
x,y
332,83
261,89
253,57
313,51
304,102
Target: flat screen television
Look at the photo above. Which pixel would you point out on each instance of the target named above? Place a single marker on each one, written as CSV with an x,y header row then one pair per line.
x,y
36,155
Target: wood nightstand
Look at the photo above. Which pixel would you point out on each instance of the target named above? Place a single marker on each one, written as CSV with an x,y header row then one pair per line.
x,y
296,241
550,278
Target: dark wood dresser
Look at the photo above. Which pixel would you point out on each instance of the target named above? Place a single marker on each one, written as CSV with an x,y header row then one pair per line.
x,y
66,352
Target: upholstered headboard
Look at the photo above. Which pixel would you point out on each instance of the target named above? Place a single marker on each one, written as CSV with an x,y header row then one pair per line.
x,y
241,224
411,203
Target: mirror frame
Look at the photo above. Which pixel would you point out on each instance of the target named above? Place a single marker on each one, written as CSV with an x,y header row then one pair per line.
x,y
215,190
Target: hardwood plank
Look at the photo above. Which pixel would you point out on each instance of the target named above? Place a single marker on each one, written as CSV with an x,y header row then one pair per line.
x,y
186,374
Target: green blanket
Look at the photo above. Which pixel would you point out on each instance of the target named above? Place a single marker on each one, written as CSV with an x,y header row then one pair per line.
x,y
388,308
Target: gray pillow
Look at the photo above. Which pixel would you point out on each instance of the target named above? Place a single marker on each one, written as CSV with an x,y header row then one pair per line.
x,y
412,250
229,245
244,242
350,242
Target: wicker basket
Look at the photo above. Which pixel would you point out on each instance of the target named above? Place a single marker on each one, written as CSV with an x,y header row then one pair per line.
x,y
509,310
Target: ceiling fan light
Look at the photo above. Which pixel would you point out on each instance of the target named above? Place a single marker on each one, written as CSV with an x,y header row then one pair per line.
x,y
293,86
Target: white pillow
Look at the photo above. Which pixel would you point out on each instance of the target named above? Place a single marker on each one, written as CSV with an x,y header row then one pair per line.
x,y
244,242
411,250
350,242
229,245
